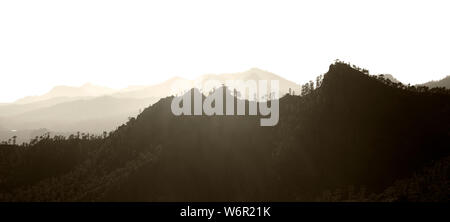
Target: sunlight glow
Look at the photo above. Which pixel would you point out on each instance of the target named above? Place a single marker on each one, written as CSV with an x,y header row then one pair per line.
x,y
122,43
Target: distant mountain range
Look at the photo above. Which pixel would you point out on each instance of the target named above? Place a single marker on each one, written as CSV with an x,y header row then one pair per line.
x,y
93,115
170,87
86,90
94,109
87,115
445,82
356,137
390,77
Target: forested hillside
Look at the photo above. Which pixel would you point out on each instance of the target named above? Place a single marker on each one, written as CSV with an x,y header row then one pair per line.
x,y
350,129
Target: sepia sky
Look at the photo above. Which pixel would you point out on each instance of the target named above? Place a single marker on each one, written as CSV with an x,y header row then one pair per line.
x,y
121,43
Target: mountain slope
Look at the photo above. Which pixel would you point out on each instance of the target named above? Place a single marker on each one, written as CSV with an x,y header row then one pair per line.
x,y
86,115
390,77
254,74
86,90
64,109
352,130
160,90
176,86
16,109
445,82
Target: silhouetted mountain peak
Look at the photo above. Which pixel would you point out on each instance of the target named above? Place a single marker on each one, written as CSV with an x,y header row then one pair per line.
x,y
346,68
343,74
338,67
355,130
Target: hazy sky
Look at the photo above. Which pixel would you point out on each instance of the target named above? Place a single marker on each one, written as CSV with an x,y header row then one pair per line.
x,y
120,43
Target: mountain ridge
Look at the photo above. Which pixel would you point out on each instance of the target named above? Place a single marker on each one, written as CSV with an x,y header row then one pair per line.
x,y
444,82
85,90
353,130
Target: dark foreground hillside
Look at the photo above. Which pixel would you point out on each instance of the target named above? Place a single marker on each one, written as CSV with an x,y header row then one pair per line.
x,y
354,132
